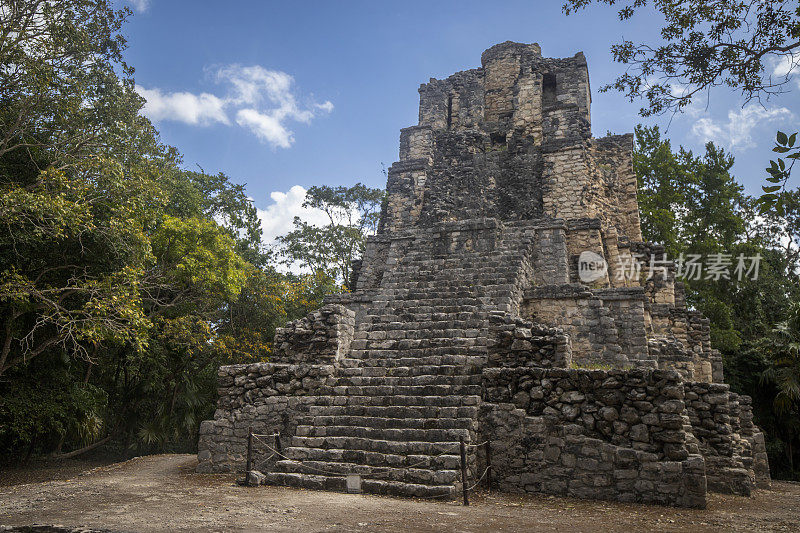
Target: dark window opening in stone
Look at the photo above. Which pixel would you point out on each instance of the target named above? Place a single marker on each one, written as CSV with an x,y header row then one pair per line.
x,y
548,90
497,138
449,111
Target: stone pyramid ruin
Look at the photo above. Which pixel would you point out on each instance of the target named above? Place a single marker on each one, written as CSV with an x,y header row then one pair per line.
x,y
496,303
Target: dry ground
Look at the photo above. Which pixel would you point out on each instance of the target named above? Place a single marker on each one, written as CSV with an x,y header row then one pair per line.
x,y
162,493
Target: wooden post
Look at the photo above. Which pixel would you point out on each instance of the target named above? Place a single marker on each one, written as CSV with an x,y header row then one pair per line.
x,y
488,449
464,470
249,465
278,446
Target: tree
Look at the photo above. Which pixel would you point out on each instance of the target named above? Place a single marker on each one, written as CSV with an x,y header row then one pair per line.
x,y
62,75
693,205
353,214
116,265
783,371
705,44
75,246
215,197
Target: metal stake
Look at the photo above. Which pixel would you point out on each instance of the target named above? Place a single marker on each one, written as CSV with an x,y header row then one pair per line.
x,y
464,470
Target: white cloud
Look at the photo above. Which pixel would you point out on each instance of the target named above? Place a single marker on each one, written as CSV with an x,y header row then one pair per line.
x,y
787,66
277,218
736,132
185,107
266,127
140,5
252,84
263,101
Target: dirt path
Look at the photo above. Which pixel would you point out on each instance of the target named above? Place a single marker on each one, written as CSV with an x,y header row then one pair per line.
x,y
161,493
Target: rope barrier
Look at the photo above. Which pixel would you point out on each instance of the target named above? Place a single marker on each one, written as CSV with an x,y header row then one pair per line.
x,y
480,478
376,476
338,474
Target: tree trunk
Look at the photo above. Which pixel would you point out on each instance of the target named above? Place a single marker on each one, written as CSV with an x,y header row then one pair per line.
x,y
60,445
85,449
30,449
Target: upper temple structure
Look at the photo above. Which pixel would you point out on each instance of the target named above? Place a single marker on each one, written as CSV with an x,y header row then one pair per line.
x,y
507,299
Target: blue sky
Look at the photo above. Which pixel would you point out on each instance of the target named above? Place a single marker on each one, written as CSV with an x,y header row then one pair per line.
x,y
285,95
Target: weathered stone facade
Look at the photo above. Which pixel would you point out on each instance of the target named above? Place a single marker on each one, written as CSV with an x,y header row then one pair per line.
x,y
470,320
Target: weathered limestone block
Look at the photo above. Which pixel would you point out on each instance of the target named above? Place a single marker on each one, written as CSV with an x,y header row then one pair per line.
x,y
322,336
514,342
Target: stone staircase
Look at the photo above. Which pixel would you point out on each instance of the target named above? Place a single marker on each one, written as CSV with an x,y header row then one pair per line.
x,y
410,386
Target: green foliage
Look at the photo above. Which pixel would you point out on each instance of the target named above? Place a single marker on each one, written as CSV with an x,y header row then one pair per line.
x,y
694,206
66,407
125,280
196,263
775,196
703,44
353,214
75,247
782,371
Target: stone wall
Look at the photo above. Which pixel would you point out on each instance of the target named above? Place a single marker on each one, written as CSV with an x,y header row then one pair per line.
x,y
591,434
590,325
323,336
270,398
638,409
514,342
722,422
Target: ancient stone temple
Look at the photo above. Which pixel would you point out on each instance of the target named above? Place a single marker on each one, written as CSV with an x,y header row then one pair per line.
x,y
473,318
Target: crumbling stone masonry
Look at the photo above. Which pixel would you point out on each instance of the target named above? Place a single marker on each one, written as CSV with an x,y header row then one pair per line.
x,y
469,319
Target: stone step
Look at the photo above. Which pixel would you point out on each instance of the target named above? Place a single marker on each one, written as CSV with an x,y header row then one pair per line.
x,y
394,411
383,422
303,448
420,356
421,370
373,334
441,461
473,363
368,432
370,486
420,475
403,400
408,342
407,390
394,381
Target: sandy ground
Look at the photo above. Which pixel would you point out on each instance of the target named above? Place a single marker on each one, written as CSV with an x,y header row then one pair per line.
x,y
162,493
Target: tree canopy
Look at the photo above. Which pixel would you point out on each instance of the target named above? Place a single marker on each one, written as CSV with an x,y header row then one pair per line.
x,y
704,44
125,279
